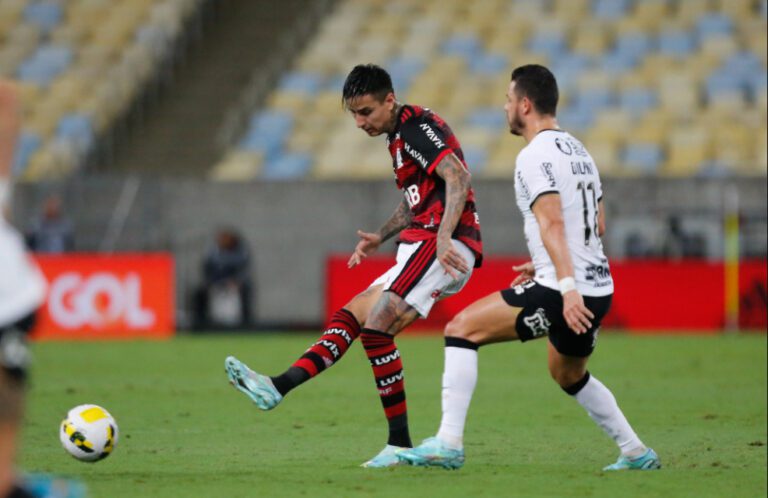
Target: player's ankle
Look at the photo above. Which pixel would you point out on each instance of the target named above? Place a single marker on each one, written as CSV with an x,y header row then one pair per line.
x,y
451,441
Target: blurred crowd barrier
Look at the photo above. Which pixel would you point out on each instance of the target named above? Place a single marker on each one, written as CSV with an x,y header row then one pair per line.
x,y
653,295
292,227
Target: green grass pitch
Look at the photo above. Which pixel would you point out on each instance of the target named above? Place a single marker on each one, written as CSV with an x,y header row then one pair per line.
x,y
184,432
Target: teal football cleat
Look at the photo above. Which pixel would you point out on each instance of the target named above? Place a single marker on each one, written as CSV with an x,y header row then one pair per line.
x,y
647,461
46,486
256,386
386,458
433,452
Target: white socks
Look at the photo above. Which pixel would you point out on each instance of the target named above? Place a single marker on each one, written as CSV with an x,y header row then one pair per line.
x,y
459,379
602,407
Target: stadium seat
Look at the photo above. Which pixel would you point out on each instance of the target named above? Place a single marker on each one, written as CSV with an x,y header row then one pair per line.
x,y
610,10
631,75
592,39
287,167
637,100
11,12
77,129
46,15
237,166
642,158
676,43
688,149
27,144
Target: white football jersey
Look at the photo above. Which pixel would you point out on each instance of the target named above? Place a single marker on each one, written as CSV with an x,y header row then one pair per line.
x,y
22,285
554,161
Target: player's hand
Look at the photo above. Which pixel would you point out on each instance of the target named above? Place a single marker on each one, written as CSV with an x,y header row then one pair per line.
x,y
576,315
450,258
527,272
368,244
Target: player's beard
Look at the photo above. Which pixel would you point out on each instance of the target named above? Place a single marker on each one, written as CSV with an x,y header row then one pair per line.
x,y
516,125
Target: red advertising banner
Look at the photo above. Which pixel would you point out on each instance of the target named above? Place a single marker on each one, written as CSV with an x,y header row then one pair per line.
x,y
652,296
92,296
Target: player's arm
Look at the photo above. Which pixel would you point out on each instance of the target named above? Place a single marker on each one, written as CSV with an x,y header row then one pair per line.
x,y
456,179
549,214
369,242
9,132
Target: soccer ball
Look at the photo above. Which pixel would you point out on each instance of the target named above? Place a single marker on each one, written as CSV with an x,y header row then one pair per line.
x,y
89,433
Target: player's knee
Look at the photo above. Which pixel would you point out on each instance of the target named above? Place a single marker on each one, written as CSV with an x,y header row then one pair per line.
x,y
459,327
565,377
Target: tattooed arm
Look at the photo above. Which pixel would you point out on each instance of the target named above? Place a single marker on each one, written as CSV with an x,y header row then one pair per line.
x,y
456,179
369,242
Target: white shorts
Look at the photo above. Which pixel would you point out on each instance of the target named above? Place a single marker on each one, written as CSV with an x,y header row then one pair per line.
x,y
22,285
419,278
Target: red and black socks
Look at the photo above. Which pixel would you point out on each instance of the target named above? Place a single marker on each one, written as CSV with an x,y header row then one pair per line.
x,y
338,335
388,372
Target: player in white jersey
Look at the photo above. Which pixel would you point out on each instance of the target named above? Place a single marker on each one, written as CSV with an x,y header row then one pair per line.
x,y
563,293
22,290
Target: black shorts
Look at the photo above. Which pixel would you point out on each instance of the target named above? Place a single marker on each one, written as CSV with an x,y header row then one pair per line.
x,y
14,354
542,315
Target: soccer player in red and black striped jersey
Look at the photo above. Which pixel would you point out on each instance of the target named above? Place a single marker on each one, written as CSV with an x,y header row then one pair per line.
x,y
439,245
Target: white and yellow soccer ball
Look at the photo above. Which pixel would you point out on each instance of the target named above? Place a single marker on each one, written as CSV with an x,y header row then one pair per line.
x,y
89,433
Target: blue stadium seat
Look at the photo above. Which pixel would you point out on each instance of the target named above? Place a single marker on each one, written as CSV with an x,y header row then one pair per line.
x,y
267,132
633,45
465,45
744,66
720,82
676,43
45,64
45,15
642,158
301,82
549,43
488,64
637,101
576,118
491,118
336,84
78,129
757,84
568,68
610,9
713,24
595,99
476,158
403,70
27,145
287,167
615,64
714,169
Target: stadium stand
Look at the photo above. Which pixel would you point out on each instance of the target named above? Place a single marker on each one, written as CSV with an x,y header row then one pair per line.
x,y
654,87
80,64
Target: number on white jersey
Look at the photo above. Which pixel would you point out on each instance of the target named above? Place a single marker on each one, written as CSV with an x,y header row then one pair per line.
x,y
589,230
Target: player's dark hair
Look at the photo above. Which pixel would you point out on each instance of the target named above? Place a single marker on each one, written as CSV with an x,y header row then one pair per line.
x,y
539,85
367,79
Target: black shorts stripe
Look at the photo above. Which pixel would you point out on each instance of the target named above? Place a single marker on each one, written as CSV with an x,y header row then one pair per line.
x,y
420,275
409,268
414,268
